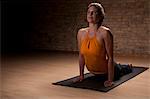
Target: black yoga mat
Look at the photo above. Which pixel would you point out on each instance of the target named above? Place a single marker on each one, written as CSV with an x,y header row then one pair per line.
x,y
97,83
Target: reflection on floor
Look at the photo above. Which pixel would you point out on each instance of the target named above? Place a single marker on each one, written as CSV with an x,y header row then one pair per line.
x,y
29,76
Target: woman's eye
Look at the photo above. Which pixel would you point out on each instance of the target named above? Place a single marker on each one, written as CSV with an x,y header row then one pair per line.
x,y
92,12
95,12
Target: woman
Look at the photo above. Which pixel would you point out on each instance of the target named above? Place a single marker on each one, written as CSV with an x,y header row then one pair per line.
x,y
96,46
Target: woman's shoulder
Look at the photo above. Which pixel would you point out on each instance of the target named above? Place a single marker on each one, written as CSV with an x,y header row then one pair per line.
x,y
83,29
81,33
105,31
104,28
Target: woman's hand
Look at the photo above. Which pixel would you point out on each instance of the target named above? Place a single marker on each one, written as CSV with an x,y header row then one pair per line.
x,y
108,83
79,79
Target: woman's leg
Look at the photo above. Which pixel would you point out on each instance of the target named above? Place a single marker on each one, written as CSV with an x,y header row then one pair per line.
x,y
126,69
117,71
121,69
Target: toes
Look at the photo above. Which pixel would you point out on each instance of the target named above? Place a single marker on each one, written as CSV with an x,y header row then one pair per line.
x,y
130,65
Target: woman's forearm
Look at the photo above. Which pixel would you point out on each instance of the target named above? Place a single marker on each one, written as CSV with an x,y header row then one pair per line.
x,y
81,65
110,70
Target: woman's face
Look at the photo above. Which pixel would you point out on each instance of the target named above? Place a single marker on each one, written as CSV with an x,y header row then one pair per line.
x,y
93,15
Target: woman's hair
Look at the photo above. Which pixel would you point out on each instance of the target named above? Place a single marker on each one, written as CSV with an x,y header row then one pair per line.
x,y
100,9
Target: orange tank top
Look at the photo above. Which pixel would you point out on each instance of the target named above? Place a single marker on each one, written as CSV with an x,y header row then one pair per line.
x,y
91,50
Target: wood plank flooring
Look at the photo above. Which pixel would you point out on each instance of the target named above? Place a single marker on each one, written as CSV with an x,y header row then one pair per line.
x,y
29,76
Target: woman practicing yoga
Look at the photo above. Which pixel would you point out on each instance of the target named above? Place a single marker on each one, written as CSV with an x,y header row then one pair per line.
x,y
96,48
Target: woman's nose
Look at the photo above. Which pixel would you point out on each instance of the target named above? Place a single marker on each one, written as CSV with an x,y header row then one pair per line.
x,y
91,13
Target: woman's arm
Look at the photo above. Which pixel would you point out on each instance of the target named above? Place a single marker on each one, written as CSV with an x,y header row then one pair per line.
x,y
108,40
81,66
81,57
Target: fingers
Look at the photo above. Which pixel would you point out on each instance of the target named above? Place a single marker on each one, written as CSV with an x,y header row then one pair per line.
x,y
77,80
108,83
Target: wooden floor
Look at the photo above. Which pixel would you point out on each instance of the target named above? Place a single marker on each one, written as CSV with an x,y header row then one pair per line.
x,y
30,76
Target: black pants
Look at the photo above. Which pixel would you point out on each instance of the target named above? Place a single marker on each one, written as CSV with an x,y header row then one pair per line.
x,y
119,71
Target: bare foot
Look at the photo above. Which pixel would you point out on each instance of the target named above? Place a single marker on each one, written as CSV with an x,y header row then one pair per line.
x,y
130,65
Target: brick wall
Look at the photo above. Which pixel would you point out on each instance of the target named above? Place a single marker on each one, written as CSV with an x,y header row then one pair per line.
x,y
56,22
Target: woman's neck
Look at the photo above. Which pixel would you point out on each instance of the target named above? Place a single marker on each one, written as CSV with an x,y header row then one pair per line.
x,y
93,27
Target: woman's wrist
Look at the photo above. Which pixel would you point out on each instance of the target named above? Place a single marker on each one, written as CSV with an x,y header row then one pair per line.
x,y
109,81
